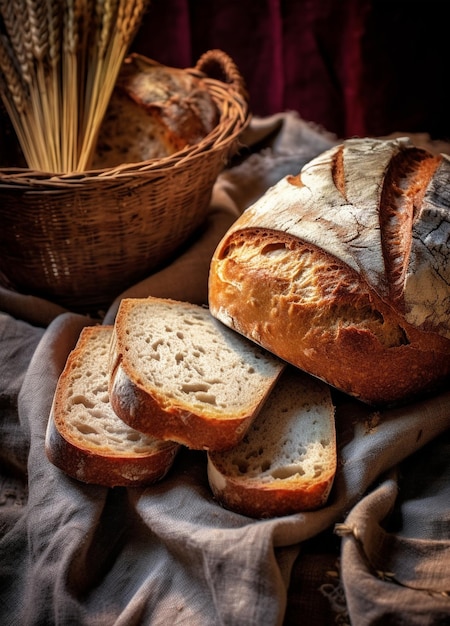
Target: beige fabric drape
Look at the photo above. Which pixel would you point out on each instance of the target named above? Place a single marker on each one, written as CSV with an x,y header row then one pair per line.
x,y
168,554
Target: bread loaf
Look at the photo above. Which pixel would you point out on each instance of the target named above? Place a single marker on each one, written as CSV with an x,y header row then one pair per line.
x,y
343,270
85,438
286,462
178,374
154,112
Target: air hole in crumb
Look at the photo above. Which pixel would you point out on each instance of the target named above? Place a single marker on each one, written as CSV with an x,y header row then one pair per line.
x,y
270,249
85,429
194,387
287,472
133,436
208,398
83,401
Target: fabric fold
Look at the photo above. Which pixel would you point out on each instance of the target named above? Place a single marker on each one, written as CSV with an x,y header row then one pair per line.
x,y
81,554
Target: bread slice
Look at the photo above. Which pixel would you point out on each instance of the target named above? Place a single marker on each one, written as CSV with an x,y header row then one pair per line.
x,y
179,374
85,438
154,112
286,462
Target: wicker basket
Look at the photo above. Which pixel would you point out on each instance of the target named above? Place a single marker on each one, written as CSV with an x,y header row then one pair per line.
x,y
81,239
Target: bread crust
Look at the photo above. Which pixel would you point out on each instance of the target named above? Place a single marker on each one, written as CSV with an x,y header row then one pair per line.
x,y
154,112
69,450
150,409
288,459
141,408
365,310
266,501
104,468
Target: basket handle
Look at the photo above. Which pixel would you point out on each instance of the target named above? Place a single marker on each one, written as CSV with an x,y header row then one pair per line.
x,y
218,65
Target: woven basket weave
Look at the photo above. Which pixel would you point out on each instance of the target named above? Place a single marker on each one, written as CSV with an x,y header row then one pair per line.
x,y
81,239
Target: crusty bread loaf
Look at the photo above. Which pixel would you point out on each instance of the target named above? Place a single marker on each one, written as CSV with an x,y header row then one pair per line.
x,y
286,462
85,438
154,112
343,270
179,374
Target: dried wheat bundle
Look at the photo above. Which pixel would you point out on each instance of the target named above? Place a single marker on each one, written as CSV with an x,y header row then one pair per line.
x,y
59,62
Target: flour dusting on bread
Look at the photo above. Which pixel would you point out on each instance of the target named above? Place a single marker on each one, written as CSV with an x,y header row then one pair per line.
x,y
342,270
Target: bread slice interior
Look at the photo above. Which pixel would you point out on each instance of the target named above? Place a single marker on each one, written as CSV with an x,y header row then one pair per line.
x,y
85,438
179,374
286,462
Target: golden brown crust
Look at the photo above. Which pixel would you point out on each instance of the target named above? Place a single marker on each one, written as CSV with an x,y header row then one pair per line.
x,y
287,461
171,424
260,501
316,313
108,470
152,410
154,112
84,438
343,270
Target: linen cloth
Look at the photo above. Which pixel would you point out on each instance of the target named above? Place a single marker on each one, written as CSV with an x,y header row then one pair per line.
x,y
70,553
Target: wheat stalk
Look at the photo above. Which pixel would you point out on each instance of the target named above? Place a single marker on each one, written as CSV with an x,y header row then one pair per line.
x,y
15,97
54,56
16,70
69,94
59,62
120,19
37,20
104,14
19,39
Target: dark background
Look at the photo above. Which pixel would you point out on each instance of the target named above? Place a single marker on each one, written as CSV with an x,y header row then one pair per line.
x,y
354,67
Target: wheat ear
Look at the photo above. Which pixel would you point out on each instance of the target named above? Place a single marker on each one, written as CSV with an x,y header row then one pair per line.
x,y
58,66
15,98
112,46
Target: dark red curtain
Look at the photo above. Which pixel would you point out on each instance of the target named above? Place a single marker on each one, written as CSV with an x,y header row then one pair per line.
x,y
355,67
